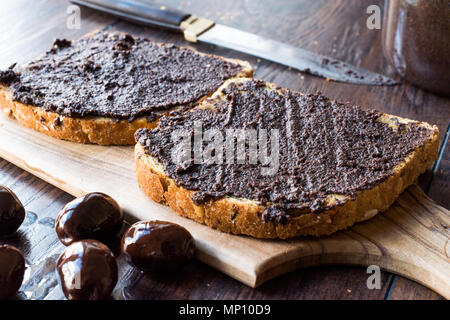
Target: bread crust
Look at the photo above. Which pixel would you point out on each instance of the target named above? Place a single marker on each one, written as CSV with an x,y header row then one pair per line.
x,y
241,216
98,130
95,130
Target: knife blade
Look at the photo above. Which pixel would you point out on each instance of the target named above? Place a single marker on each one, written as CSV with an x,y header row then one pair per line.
x,y
204,30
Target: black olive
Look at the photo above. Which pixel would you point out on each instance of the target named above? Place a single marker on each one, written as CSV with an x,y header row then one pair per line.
x,y
158,246
12,212
87,270
93,216
12,269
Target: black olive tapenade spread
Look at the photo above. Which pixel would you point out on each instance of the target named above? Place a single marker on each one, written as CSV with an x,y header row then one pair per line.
x,y
325,148
116,75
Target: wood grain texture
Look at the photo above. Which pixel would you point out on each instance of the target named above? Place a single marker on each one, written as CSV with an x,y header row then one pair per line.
x,y
37,240
441,176
335,28
409,239
436,185
406,289
29,28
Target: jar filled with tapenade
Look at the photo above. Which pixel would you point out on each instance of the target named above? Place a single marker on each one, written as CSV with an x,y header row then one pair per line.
x,y
416,41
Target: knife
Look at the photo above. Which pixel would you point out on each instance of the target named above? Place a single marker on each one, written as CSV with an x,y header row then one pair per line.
x,y
204,30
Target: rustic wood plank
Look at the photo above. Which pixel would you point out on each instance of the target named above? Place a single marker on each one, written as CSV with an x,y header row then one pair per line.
x,y
407,239
38,242
437,186
408,100
29,28
312,22
199,281
224,16
406,289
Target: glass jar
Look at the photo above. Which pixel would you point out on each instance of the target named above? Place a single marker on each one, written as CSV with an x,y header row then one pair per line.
x,y
416,41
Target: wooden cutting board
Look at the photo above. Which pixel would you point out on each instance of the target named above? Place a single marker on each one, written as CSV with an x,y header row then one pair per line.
x,y
410,239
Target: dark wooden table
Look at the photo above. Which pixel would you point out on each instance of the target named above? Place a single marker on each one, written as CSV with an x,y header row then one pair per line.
x,y
334,28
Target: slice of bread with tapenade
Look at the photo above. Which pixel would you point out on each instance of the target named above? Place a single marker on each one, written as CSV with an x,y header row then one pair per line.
x,y
103,87
337,164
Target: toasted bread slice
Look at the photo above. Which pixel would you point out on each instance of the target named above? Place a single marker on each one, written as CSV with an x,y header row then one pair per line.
x,y
96,130
92,128
239,215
